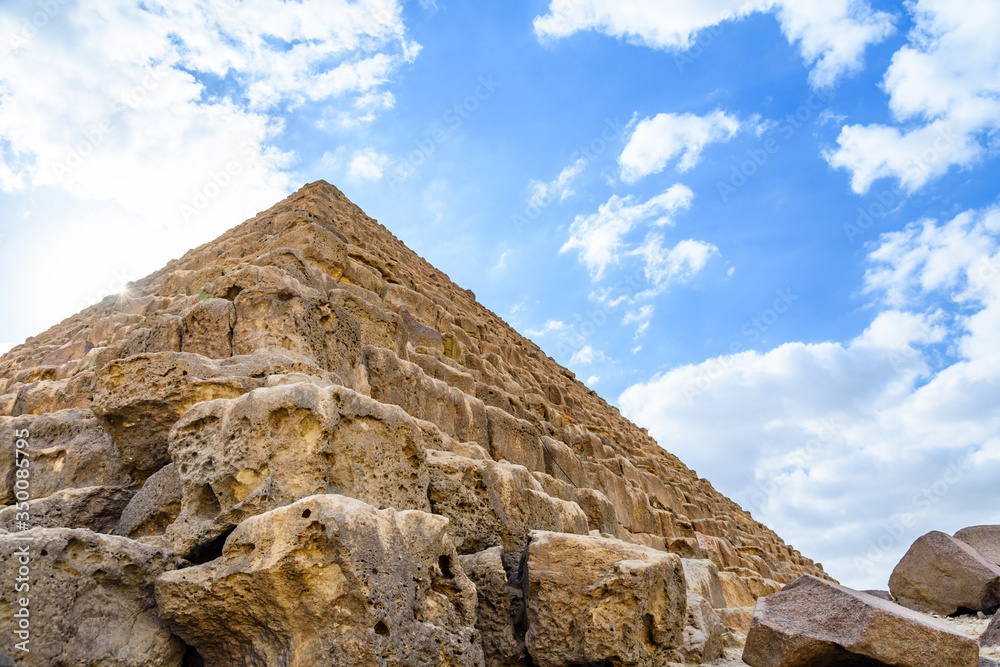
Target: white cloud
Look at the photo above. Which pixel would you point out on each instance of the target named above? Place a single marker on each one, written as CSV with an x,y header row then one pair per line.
x,y
671,266
542,194
6,347
599,237
502,262
159,119
944,94
592,380
852,450
831,35
587,355
643,316
367,164
926,256
549,326
658,140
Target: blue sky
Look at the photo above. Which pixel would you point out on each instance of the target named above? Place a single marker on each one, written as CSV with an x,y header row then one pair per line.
x,y
767,230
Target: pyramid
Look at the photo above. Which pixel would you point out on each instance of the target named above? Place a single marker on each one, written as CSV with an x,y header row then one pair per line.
x,y
302,444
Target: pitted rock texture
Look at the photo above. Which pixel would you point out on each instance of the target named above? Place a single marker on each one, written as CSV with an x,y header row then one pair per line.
x,y
332,581
592,599
308,353
90,600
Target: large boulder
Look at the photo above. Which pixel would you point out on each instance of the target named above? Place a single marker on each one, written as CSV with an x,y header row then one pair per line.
x,y
95,508
984,539
332,581
90,600
494,503
702,577
942,574
273,446
275,311
591,599
65,449
140,398
500,612
816,622
704,633
208,329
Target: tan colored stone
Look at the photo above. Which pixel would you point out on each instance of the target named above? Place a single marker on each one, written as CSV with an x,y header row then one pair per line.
x,y
379,326
736,591
37,398
154,507
95,508
419,334
328,580
704,634
514,440
495,504
393,380
591,599
140,398
66,449
702,577
69,352
500,610
90,602
274,446
208,329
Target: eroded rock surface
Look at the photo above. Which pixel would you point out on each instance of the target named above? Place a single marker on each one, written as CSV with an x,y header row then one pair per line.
x,y
90,600
96,508
591,599
333,581
273,446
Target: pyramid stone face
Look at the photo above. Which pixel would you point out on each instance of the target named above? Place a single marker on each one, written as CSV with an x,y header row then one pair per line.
x,y
309,352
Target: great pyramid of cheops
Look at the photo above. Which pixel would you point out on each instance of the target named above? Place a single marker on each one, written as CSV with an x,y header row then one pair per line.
x,y
301,444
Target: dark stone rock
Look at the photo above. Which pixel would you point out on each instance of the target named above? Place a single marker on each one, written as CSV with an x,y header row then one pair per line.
x,y
816,623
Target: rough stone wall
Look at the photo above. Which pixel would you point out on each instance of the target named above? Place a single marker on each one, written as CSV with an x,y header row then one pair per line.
x,y
277,362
